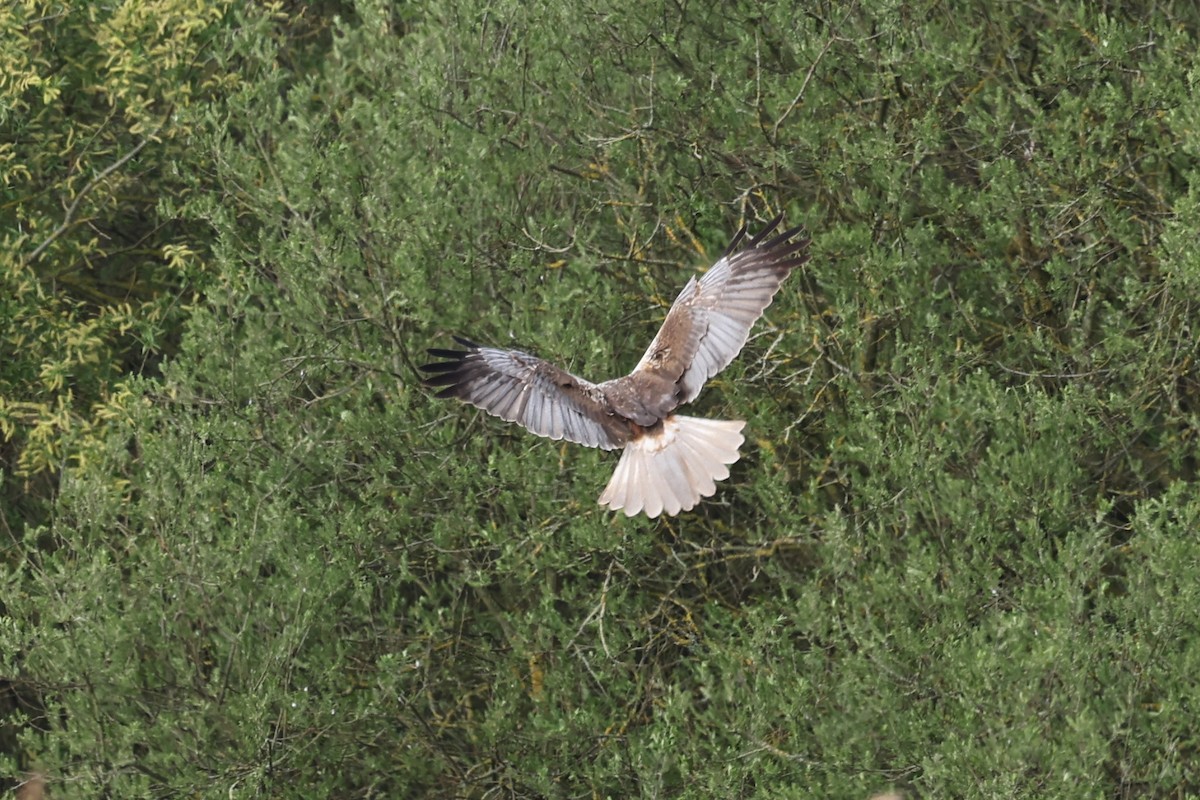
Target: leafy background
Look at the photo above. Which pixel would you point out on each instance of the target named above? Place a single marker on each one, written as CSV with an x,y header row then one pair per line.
x,y
243,553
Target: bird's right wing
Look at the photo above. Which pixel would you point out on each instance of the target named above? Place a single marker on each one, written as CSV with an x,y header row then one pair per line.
x,y
524,389
712,317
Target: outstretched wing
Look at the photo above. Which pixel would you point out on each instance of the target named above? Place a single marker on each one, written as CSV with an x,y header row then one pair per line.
x,y
710,320
524,389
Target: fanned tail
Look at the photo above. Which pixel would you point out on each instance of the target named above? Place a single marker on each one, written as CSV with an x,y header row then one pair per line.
x,y
671,469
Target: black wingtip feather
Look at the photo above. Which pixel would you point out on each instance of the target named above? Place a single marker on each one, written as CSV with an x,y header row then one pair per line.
x,y
448,372
445,379
457,355
737,239
757,239
765,232
441,366
792,255
783,237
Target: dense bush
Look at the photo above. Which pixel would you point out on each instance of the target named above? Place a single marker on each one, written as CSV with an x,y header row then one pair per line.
x,y
958,557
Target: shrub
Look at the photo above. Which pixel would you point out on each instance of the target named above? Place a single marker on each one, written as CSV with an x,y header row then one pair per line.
x,y
956,559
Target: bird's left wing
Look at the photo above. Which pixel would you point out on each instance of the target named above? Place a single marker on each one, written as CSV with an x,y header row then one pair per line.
x,y
710,320
524,389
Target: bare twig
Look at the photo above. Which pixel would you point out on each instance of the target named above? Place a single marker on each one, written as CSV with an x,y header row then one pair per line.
x,y
803,87
92,184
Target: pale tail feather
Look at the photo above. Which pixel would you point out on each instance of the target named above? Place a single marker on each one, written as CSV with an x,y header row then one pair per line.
x,y
671,470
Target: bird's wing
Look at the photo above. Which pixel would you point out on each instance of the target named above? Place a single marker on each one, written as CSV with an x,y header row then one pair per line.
x,y
710,320
524,389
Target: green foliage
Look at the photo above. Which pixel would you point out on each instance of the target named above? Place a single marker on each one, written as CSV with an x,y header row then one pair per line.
x,y
93,280
957,558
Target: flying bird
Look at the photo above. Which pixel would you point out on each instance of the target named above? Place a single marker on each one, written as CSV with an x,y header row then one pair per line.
x,y
669,461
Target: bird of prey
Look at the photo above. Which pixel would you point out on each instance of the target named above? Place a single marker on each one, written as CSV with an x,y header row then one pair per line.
x,y
669,461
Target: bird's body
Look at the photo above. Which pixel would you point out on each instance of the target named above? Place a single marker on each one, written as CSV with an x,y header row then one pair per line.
x,y
669,461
